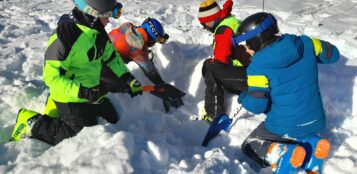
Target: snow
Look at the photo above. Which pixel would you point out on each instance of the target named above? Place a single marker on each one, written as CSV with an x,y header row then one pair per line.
x,y
146,139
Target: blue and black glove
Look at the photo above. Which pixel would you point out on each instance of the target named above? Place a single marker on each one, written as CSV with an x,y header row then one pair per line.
x,y
93,95
135,88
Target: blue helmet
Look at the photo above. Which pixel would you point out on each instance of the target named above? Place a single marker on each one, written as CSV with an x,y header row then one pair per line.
x,y
155,30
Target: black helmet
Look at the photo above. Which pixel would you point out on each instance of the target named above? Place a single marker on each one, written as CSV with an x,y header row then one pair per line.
x,y
258,30
99,8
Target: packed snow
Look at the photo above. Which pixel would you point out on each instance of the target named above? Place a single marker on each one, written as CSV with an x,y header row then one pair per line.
x,y
146,139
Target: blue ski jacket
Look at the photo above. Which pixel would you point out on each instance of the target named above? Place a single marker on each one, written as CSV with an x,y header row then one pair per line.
x,y
283,83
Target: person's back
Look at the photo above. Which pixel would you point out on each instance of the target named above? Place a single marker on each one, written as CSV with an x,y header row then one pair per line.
x,y
226,69
296,107
283,84
129,41
133,43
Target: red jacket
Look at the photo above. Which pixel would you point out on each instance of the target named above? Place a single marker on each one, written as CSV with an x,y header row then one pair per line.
x,y
224,45
223,37
224,50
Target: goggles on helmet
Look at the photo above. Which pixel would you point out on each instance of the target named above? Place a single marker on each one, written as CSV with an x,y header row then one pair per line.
x,y
158,38
267,23
115,13
163,39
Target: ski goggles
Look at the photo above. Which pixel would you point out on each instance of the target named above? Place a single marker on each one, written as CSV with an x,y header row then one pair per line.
x,y
163,39
115,13
267,23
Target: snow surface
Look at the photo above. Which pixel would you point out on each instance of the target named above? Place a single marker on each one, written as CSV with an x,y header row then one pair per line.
x,y
147,140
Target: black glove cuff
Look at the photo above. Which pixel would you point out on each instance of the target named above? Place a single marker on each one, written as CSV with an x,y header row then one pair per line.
x,y
128,79
83,92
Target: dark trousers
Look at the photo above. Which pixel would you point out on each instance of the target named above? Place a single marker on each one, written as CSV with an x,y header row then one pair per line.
x,y
73,117
219,76
256,145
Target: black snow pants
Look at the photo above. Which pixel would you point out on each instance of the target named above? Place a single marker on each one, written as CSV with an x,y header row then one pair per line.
x,y
256,145
73,117
219,76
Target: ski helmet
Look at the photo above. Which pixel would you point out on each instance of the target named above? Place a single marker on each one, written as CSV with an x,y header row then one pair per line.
x,y
155,30
258,30
100,8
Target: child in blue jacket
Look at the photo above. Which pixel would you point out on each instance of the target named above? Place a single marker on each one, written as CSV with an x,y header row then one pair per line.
x,y
283,84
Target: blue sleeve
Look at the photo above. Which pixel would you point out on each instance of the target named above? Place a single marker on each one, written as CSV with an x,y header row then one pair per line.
x,y
256,99
325,52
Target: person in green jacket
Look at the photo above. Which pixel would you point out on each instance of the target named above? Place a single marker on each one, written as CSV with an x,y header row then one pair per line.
x,y
78,56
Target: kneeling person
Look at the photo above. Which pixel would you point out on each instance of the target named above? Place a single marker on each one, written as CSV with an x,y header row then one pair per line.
x,y
76,54
134,43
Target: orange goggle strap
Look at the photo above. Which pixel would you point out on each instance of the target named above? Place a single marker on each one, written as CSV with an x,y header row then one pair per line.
x,y
143,34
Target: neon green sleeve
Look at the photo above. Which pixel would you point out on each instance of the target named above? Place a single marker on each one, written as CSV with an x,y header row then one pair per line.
x,y
62,89
114,61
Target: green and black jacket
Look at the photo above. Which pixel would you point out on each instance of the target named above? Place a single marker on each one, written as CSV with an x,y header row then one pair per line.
x,y
75,56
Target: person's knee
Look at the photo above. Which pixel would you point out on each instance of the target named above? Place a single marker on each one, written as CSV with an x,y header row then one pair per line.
x,y
206,67
108,112
111,116
248,148
113,119
258,156
245,147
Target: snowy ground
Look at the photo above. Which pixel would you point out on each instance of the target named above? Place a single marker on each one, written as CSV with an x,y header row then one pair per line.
x,y
147,140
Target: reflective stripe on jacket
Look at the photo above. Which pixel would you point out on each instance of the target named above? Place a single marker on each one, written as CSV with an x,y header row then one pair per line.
x,y
222,44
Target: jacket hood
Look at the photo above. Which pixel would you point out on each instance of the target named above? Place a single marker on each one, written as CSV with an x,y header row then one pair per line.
x,y
287,50
78,17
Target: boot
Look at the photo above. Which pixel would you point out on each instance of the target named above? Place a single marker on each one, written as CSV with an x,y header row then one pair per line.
x,y
317,150
203,115
285,158
208,118
24,122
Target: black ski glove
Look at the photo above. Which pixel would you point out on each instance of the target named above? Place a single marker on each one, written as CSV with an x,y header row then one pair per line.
x,y
93,95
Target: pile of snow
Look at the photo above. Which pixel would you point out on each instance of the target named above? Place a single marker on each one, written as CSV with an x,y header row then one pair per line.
x,y
147,140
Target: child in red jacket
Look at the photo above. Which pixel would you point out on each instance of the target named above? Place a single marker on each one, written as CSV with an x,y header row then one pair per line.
x,y
227,68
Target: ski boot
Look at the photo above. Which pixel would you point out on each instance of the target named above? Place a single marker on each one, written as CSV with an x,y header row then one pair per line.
x,y
317,150
24,122
285,158
207,118
203,115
